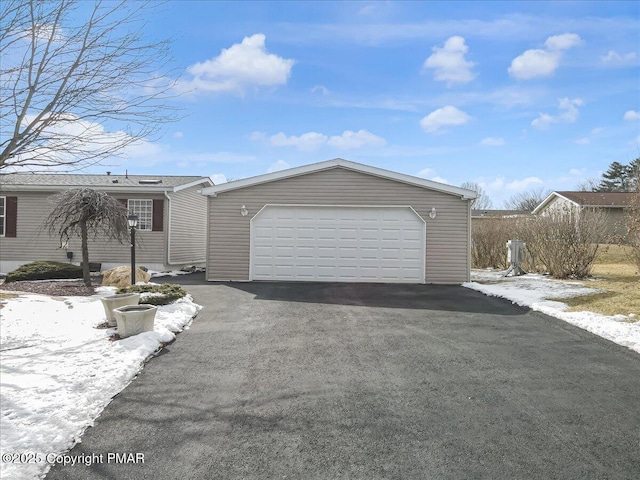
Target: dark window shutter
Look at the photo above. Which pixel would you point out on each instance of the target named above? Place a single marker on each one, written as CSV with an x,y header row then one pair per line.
x,y
123,202
11,216
158,216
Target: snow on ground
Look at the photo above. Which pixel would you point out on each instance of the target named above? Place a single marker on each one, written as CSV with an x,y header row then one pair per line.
x,y
534,291
58,372
175,273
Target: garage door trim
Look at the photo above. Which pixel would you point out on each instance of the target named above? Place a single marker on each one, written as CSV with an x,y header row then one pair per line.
x,y
417,215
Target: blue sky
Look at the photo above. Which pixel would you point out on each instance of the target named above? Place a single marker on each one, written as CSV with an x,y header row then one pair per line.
x,y
512,95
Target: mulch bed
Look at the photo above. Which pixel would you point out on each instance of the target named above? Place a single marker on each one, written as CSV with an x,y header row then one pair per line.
x,y
55,289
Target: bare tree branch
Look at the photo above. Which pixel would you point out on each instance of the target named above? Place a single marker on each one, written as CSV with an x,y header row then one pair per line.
x,y
78,82
482,201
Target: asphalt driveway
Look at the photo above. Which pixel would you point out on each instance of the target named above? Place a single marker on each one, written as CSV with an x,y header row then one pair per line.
x,y
306,381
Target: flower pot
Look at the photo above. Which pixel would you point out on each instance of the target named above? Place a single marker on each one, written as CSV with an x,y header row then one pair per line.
x,y
116,301
135,319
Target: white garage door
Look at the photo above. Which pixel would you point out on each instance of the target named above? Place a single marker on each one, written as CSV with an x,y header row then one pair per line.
x,y
338,244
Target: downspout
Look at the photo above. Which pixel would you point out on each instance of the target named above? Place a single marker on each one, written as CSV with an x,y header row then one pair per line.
x,y
169,262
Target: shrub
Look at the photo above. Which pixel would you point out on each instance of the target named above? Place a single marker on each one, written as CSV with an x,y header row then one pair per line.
x,y
633,228
163,294
489,238
44,270
566,242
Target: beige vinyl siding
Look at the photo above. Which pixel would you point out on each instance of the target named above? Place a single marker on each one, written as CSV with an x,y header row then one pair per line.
x,y
33,243
188,240
447,249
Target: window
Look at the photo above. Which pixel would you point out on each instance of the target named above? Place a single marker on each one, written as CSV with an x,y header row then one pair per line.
x,y
144,210
3,215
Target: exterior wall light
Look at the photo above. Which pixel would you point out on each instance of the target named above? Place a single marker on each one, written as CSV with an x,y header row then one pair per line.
x,y
432,213
244,211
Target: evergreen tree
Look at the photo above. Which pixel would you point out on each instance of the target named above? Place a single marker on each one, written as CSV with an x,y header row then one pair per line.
x,y
616,178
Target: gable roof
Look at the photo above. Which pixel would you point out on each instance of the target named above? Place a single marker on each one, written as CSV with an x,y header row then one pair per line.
x,y
339,163
590,199
137,183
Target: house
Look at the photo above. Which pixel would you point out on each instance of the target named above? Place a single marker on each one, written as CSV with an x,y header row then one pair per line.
x,y
613,204
339,221
486,214
171,230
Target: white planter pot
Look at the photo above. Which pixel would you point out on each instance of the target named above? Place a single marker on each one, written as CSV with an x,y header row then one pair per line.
x,y
135,319
116,301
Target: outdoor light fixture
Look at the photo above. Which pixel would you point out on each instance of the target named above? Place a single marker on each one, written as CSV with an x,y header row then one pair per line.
x,y
132,220
432,213
244,211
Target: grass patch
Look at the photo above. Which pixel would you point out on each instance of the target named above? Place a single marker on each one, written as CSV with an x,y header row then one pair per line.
x,y
614,273
163,294
6,296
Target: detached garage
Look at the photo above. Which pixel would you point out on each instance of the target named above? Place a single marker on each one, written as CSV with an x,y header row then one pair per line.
x,y
338,221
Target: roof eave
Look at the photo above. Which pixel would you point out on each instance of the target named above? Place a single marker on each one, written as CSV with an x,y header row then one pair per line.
x,y
105,188
339,162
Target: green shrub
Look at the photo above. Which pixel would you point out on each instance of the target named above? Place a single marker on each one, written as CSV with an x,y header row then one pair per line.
x,y
44,270
164,294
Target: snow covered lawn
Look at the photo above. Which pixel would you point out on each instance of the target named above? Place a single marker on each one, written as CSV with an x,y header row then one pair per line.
x,y
58,372
534,291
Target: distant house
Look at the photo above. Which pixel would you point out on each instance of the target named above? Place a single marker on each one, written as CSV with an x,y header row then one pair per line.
x,y
172,229
614,204
484,214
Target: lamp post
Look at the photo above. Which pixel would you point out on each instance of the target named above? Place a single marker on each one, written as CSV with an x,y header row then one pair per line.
x,y
133,223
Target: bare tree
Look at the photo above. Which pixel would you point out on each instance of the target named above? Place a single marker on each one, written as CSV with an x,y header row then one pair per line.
x,y
588,185
78,82
482,201
528,200
83,212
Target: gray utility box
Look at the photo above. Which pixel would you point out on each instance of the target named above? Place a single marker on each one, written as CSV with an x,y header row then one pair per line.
x,y
515,257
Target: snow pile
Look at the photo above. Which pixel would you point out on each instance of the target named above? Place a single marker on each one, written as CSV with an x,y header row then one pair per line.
x,y
534,290
58,372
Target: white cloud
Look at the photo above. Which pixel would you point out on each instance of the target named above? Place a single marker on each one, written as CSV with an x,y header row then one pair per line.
x,y
578,171
307,141
543,121
218,178
358,139
614,59
445,116
178,135
563,42
449,63
525,184
582,141
277,166
597,130
568,112
542,63
314,140
426,172
320,88
257,136
439,179
492,142
534,63
430,174
631,115
569,109
243,65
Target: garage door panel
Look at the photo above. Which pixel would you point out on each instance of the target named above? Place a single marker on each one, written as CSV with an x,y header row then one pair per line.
x,y
367,244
